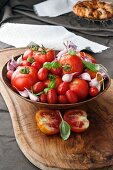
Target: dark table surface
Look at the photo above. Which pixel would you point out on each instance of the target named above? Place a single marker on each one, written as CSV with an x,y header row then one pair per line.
x,y
17,11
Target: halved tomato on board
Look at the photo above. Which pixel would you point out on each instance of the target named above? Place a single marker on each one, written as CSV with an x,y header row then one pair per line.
x,y
77,119
48,121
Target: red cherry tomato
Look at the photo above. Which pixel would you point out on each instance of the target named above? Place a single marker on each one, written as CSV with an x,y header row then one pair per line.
x,y
77,119
48,121
86,55
62,99
71,64
36,65
56,71
38,87
71,96
58,80
52,96
42,74
9,74
63,87
43,98
24,77
27,53
93,91
44,55
25,63
80,87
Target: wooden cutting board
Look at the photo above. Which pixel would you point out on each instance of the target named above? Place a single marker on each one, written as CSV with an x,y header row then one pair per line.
x,y
89,150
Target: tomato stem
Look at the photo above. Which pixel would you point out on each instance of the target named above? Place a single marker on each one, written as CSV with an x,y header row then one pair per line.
x,y
25,70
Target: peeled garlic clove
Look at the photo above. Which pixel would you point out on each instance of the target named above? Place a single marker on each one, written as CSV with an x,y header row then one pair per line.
x,y
85,76
94,82
19,60
32,96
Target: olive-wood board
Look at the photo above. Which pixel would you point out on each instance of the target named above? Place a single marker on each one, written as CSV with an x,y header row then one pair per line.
x,y
89,150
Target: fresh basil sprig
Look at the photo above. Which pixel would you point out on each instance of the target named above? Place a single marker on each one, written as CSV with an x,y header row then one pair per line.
x,y
51,85
92,66
50,65
65,130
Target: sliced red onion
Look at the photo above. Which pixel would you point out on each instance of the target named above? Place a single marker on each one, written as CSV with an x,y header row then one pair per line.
x,y
61,53
85,76
68,77
19,60
32,96
12,65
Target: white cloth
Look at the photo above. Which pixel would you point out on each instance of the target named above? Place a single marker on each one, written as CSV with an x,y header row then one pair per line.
x,y
53,8
20,35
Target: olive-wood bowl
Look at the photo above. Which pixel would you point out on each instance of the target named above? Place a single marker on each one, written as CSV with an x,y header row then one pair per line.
x,y
52,106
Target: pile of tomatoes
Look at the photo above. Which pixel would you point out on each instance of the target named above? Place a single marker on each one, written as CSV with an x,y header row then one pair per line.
x,y
41,73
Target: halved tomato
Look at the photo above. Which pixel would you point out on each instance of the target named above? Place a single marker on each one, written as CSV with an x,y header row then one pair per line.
x,y
48,121
77,119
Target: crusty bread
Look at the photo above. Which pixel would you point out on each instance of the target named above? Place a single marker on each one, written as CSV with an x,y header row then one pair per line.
x,y
93,9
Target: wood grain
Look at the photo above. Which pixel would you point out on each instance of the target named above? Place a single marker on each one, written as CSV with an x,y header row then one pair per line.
x,y
89,150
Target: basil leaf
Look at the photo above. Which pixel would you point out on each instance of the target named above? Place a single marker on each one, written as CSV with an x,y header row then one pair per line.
x,y
51,77
55,64
91,66
52,84
47,65
46,90
65,130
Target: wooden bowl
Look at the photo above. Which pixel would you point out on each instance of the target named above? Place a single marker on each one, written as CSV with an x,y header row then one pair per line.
x,y
52,106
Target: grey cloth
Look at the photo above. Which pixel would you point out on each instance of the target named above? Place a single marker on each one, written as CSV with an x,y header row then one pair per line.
x,y
21,11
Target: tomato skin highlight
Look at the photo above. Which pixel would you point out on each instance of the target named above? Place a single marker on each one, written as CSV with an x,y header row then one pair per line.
x,y
62,99
42,74
38,87
43,98
48,56
77,119
63,87
80,87
25,63
74,62
36,65
93,91
52,96
71,96
27,53
48,121
21,81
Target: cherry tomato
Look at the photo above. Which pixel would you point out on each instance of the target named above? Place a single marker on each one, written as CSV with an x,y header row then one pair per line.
x,y
27,53
56,71
24,77
25,63
43,98
38,87
77,119
71,96
86,55
9,74
80,87
48,121
52,96
42,74
58,80
91,73
62,99
63,87
71,64
93,91
44,55
36,65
